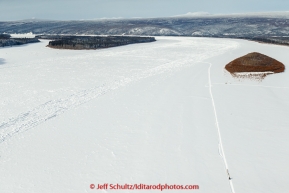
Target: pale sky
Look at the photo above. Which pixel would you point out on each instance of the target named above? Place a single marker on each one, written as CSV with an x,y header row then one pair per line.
x,y
92,9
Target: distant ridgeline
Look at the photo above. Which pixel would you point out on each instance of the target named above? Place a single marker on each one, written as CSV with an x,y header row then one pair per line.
x,y
92,42
6,40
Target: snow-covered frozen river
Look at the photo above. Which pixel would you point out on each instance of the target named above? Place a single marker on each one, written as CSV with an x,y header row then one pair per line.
x,y
154,113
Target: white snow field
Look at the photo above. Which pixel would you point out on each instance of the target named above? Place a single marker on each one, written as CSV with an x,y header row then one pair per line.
x,y
154,113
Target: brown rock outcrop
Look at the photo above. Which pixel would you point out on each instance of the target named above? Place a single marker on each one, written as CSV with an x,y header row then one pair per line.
x,y
255,62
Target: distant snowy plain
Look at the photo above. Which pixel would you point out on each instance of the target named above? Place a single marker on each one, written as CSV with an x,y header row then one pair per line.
x,y
144,113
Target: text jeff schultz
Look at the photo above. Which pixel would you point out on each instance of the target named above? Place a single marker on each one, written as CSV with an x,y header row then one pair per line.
x,y
160,187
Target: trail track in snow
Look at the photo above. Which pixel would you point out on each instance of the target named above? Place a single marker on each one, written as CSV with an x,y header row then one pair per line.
x,y
53,108
221,148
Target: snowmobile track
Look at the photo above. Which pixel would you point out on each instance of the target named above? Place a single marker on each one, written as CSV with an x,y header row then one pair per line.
x,y
54,108
221,148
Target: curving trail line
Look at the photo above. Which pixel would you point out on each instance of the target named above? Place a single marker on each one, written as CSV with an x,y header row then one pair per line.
x,y
54,108
221,149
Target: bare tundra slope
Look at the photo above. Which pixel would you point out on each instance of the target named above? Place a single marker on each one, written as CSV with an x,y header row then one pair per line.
x,y
164,112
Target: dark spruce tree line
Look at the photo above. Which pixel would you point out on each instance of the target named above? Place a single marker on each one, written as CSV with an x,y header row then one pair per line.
x,y
269,40
4,36
282,40
93,42
6,40
273,40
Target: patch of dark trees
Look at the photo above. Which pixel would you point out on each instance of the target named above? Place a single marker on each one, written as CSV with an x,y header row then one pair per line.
x,y
4,36
6,40
277,40
93,42
271,40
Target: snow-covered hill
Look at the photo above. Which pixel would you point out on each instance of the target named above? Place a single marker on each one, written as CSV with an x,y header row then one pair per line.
x,y
204,25
162,112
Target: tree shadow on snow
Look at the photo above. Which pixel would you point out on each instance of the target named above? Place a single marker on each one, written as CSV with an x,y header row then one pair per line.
x,y
2,61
